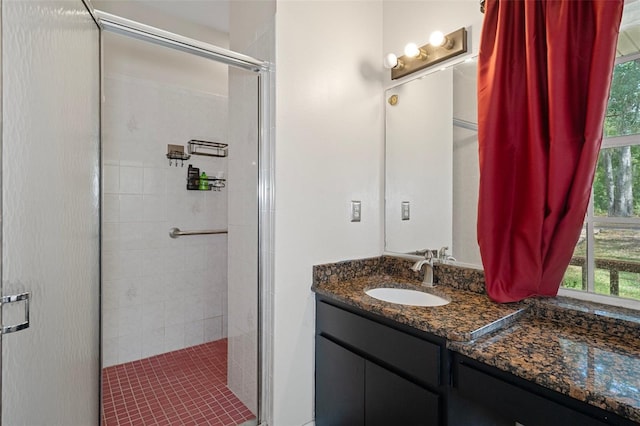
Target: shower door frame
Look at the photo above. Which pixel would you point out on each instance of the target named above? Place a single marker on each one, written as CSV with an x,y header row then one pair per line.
x,y
266,174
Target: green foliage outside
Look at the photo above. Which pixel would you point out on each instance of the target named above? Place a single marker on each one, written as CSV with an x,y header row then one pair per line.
x,y
629,282
616,188
611,243
622,177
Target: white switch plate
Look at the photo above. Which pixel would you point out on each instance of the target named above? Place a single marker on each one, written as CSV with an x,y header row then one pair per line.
x,y
356,211
406,213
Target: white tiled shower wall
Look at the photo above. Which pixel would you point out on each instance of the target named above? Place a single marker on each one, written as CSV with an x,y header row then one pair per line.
x,y
159,294
243,226
243,238
250,35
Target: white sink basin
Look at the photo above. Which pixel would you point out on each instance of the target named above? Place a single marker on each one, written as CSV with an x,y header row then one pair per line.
x,y
404,296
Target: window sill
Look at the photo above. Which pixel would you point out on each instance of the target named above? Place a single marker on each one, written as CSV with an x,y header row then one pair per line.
x,y
600,298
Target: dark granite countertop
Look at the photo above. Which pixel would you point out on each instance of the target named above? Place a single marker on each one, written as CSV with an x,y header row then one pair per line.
x,y
590,365
585,350
468,316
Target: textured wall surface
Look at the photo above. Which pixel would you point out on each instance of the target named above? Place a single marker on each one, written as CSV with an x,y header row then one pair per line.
x,y
50,227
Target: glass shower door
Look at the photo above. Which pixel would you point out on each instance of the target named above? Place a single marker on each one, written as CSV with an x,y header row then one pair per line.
x,y
50,213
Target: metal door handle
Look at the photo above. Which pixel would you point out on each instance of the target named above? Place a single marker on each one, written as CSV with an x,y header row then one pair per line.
x,y
12,299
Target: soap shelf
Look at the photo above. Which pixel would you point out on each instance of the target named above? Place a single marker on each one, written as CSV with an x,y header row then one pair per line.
x,y
209,149
217,185
194,179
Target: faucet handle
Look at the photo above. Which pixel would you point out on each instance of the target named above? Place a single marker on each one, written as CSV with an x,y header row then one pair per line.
x,y
442,253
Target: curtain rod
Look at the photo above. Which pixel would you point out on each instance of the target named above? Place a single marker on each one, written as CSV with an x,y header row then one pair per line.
x,y
118,24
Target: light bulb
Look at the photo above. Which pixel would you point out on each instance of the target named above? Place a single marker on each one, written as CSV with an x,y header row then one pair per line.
x,y
390,61
437,38
412,50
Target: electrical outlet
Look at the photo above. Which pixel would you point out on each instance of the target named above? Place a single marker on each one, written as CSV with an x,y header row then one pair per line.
x,y
356,211
405,208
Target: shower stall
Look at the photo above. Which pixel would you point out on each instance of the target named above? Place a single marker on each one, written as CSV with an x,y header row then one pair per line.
x,y
146,284
179,233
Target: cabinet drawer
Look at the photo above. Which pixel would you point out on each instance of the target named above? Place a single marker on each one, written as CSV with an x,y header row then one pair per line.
x,y
515,402
410,355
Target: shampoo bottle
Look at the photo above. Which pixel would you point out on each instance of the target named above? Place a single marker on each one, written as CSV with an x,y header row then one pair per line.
x,y
204,183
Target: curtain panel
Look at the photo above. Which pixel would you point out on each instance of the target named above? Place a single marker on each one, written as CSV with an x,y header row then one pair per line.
x,y
544,73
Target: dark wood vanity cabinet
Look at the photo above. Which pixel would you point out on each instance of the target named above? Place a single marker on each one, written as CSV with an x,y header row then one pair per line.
x,y
368,373
351,390
373,371
514,399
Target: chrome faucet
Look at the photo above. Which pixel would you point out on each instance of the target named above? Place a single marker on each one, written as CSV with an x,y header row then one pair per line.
x,y
428,273
443,257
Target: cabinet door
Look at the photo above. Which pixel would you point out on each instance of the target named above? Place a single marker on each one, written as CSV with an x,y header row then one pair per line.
x,y
393,400
514,402
339,385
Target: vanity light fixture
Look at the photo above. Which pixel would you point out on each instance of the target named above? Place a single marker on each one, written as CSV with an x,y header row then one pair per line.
x,y
440,48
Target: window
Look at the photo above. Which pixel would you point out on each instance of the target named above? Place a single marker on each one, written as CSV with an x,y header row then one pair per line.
x,y
606,260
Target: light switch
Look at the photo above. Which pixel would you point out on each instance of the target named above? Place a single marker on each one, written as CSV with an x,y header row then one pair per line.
x,y
356,211
406,215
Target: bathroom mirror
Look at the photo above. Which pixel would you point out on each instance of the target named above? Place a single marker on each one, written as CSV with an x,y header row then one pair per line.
x,y
431,164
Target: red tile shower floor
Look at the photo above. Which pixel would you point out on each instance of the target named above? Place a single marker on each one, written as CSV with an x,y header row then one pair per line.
x,y
185,387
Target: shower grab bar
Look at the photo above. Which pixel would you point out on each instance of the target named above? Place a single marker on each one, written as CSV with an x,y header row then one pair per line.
x,y
470,125
176,232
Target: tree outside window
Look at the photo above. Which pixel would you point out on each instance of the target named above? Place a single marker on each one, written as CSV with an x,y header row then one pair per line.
x,y
607,257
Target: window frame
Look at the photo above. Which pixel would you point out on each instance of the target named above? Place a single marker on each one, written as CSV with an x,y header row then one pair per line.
x,y
591,220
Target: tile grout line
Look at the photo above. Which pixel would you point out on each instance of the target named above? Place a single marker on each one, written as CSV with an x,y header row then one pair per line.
x,y
172,382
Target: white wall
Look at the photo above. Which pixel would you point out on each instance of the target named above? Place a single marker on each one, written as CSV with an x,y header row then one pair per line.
x,y
160,294
249,22
329,151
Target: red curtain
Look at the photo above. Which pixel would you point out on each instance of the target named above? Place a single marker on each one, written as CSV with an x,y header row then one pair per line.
x,y
544,73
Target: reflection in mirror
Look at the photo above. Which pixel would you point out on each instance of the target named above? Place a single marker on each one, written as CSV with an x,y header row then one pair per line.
x,y
466,170
419,164
432,164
